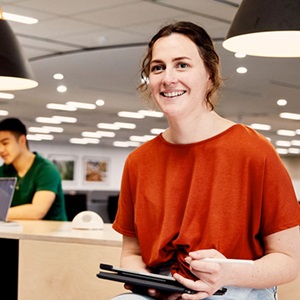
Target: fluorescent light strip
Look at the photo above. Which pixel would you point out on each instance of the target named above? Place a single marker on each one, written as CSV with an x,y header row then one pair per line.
x,y
258,126
3,112
295,143
38,130
58,106
19,18
125,125
128,114
282,151
294,150
283,143
65,119
47,120
290,116
82,105
151,113
54,129
285,132
90,134
108,126
7,96
157,130
106,133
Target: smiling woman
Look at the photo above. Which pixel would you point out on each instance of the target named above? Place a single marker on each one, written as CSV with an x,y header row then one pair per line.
x,y
205,187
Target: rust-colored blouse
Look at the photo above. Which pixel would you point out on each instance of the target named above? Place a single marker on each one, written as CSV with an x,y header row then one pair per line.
x,y
226,192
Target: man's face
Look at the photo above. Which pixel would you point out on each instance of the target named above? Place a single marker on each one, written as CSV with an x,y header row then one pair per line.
x,y
10,146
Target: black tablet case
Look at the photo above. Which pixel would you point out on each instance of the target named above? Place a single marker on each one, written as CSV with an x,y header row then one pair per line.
x,y
141,282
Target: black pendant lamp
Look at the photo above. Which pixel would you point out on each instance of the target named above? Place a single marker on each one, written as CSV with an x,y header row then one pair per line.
x,y
15,70
268,28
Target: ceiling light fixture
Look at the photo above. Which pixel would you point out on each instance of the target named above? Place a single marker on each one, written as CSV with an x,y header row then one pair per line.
x,y
269,28
290,116
7,96
82,105
129,114
59,106
19,18
286,132
15,70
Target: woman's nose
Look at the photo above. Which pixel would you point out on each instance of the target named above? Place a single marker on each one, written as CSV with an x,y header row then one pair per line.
x,y
169,77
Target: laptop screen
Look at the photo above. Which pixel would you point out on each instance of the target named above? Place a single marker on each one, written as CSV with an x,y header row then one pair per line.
x,y
7,189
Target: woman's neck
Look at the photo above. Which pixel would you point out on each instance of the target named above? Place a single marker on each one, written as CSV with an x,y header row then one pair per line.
x,y
192,131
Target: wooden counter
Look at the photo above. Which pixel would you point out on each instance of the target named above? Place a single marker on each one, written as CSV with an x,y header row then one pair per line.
x,y
51,261
55,261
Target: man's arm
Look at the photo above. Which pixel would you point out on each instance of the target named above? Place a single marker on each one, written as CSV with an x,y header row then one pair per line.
x,y
41,203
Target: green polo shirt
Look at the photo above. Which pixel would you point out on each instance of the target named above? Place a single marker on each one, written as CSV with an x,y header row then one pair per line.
x,y
43,175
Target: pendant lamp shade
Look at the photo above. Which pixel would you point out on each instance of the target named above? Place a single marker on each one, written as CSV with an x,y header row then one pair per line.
x,y
15,70
268,28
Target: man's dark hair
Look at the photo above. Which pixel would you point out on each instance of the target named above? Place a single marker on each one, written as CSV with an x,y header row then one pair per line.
x,y
13,125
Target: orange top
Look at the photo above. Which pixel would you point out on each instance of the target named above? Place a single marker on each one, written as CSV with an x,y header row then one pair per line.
x,y
226,192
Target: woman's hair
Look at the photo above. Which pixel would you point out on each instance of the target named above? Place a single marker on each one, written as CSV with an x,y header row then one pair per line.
x,y
206,50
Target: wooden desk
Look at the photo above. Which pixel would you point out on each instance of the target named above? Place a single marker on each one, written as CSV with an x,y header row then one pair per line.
x,y
50,260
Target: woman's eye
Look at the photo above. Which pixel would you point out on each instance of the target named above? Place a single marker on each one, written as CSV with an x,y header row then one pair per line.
x,y
156,68
182,65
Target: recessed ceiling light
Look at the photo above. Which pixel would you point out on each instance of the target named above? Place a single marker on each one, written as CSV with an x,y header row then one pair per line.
x,y
281,102
58,76
241,70
240,55
100,102
62,88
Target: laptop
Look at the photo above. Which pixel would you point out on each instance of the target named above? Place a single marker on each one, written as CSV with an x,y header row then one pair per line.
x,y
7,189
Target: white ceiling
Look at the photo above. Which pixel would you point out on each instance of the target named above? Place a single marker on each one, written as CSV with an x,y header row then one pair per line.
x,y
98,46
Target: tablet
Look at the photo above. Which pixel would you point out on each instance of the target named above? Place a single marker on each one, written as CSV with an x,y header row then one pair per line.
x,y
141,282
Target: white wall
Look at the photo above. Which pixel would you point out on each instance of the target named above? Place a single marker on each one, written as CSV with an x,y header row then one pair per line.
x,y
116,159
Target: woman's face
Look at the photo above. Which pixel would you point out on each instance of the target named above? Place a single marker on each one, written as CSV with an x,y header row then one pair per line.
x,y
178,78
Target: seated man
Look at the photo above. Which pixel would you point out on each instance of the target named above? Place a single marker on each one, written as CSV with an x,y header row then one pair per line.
x,y
38,194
